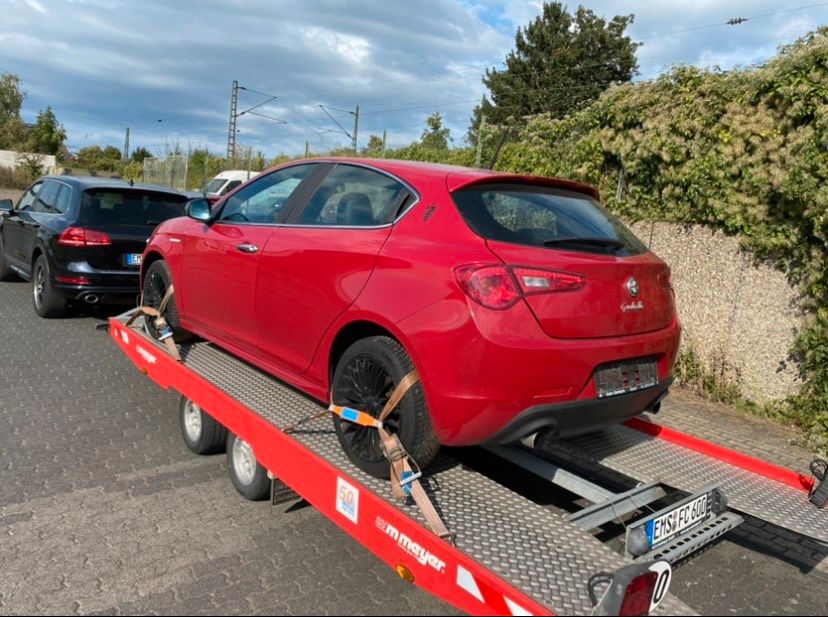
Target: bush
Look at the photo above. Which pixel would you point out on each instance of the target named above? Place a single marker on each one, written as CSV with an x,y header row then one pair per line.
x,y
15,178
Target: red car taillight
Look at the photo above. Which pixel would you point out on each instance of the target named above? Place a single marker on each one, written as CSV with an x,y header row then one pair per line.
x,y
499,287
78,236
665,279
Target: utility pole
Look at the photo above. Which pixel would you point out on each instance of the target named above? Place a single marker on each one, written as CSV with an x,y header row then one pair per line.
x,y
479,156
126,145
384,141
356,127
307,149
231,133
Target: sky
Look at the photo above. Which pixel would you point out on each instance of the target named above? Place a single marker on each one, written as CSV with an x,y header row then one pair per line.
x,y
165,68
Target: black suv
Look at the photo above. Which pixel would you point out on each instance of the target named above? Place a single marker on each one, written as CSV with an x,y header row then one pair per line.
x,y
81,239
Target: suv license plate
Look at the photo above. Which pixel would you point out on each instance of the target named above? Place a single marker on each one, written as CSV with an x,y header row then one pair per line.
x,y
678,520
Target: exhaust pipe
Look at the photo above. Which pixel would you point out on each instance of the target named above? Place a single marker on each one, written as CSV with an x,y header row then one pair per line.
x,y
91,299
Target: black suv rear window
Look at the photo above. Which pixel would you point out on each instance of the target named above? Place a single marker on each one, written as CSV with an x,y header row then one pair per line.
x,y
545,217
130,207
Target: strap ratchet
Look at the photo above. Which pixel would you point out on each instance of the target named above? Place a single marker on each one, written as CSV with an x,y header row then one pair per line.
x,y
405,473
161,325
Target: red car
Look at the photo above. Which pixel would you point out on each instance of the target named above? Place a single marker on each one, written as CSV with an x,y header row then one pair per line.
x,y
523,303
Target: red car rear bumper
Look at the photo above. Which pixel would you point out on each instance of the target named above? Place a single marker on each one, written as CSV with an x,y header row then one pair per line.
x,y
495,376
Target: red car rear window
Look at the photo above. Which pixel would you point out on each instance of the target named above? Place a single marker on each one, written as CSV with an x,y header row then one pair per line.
x,y
544,217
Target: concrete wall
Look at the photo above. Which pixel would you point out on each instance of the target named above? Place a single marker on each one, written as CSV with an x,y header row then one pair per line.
x,y
739,317
8,158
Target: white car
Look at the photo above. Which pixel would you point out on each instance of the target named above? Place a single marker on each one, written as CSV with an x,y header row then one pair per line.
x,y
226,181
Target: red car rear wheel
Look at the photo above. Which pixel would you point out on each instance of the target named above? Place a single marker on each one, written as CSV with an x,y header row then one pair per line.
x,y
363,379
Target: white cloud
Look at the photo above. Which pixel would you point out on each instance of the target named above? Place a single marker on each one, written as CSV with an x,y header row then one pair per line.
x,y
106,64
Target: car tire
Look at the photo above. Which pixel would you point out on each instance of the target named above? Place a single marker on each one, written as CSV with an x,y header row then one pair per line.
x,y
363,378
201,432
156,282
46,302
248,477
6,273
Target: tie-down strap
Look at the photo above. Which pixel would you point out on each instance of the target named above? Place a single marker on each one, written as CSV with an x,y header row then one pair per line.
x,y
160,322
405,474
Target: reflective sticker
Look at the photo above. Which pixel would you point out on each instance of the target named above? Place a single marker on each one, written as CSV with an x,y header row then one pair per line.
x,y
146,355
125,337
516,609
466,581
347,500
665,575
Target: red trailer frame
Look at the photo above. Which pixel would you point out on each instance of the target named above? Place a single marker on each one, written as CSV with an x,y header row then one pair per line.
x,y
460,575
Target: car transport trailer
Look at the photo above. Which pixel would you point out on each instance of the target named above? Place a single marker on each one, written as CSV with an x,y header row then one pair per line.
x,y
507,554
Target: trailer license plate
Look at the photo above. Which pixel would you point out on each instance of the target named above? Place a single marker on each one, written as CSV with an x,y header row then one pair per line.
x,y
625,377
685,516
133,259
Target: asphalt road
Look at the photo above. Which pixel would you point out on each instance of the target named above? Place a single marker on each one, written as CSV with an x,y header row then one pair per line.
x,y
103,509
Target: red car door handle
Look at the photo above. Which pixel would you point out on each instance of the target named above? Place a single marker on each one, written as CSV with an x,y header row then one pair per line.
x,y
244,247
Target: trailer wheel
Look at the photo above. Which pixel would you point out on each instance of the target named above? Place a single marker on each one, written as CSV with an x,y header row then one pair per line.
x,y
201,433
249,478
364,377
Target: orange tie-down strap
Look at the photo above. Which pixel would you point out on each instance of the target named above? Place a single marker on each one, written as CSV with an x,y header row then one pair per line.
x,y
160,322
405,474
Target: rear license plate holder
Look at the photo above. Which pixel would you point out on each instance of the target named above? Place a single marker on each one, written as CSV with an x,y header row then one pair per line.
x,y
678,519
624,377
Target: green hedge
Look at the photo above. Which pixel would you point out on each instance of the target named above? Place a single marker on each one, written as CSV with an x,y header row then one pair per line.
x,y
745,151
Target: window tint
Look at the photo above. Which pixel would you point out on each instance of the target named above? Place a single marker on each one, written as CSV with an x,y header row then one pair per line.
x,y
262,200
130,207
356,197
27,201
47,197
64,199
545,217
214,185
230,186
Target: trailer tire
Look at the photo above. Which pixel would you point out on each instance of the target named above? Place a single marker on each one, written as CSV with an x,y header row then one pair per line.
x,y
364,376
249,478
200,431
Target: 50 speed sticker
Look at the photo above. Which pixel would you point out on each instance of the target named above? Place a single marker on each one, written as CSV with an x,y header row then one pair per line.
x,y
347,500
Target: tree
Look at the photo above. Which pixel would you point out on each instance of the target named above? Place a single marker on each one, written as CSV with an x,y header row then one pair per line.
x,y
11,97
47,135
97,159
139,154
12,128
560,63
12,134
435,136
374,146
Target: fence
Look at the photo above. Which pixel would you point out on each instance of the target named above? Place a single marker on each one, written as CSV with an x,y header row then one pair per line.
x,y
170,171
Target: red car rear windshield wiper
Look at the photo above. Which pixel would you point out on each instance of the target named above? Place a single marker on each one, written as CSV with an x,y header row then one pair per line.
x,y
609,243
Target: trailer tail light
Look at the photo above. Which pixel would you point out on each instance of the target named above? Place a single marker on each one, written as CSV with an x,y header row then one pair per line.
x,y
636,589
78,236
499,287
